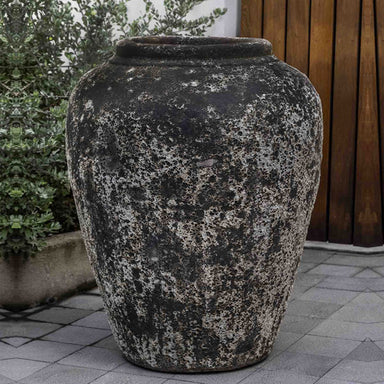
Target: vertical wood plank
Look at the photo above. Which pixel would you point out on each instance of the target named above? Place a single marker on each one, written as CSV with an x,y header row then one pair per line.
x,y
252,18
352,181
380,67
274,25
320,73
298,34
343,141
368,220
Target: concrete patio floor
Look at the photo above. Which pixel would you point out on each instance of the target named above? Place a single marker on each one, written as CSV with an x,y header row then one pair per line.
x,y
333,333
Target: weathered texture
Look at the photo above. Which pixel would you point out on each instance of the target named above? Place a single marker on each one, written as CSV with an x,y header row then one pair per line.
x,y
58,270
194,169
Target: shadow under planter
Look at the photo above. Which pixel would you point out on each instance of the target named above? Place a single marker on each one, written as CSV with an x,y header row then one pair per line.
x,y
60,269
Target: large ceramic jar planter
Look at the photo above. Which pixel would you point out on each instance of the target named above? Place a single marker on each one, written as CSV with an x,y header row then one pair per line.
x,y
194,164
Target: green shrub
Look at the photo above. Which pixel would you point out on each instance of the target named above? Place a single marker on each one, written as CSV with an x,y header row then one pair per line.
x,y
45,49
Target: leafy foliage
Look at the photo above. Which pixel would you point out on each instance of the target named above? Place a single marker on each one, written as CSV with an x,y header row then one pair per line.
x,y
46,46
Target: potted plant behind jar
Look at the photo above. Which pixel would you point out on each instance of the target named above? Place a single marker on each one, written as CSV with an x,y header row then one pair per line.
x,y
194,164
46,46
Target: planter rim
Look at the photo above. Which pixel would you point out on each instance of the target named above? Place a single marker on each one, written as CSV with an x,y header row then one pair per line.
x,y
192,47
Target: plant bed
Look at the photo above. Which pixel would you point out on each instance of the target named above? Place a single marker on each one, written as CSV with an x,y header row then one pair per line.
x,y
60,269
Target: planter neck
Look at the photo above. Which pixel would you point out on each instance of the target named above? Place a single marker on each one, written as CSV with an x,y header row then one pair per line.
x,y
190,48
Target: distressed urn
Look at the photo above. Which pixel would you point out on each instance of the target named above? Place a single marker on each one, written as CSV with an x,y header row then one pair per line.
x,y
194,164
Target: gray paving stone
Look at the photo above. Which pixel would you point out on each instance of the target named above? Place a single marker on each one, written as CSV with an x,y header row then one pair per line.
x,y
328,295
48,351
345,283
171,381
26,328
381,294
34,309
6,380
367,351
60,315
15,341
335,270
312,309
131,369
380,344
6,351
297,292
63,374
231,377
315,256
349,330
78,335
298,324
375,285
89,302
304,267
13,316
360,371
308,279
380,271
367,299
356,260
325,346
359,314
278,377
17,369
95,320
286,339
300,363
121,378
92,357
332,381
109,342
275,352
367,273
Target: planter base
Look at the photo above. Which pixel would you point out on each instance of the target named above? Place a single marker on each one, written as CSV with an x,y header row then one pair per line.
x,y
202,370
60,269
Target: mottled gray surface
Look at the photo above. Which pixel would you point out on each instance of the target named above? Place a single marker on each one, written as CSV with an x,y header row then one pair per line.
x,y
194,180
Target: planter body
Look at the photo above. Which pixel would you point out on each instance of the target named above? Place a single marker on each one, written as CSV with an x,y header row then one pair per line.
x,y
194,168
60,269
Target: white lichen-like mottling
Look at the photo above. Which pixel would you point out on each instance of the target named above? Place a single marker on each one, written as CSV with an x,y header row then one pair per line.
x,y
194,184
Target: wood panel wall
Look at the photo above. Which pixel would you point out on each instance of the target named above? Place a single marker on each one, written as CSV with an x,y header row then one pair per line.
x,y
339,44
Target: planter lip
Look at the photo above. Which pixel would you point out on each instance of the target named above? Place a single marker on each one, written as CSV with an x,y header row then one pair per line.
x,y
192,47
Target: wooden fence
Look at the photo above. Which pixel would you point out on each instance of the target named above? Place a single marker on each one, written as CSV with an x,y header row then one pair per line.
x,y
339,44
